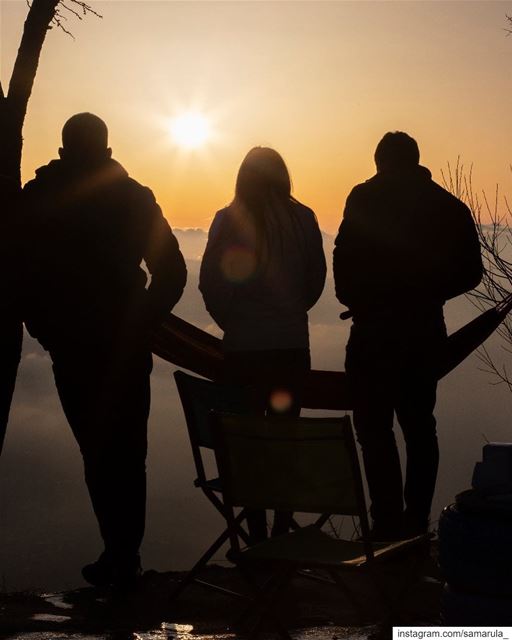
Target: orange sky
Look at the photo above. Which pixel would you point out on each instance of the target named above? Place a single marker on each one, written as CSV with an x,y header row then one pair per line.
x,y
319,81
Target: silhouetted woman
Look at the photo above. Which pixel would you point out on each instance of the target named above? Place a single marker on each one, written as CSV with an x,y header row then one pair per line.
x,y
262,269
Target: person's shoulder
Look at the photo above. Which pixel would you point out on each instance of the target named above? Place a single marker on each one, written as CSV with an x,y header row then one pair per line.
x,y
45,175
372,183
138,189
223,220
303,211
362,195
225,212
306,218
224,216
364,189
447,198
114,172
140,195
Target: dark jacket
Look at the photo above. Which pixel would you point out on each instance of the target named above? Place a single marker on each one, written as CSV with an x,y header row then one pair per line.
x,y
263,305
87,233
404,242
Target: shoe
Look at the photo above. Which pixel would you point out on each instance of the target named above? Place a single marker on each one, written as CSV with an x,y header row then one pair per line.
x,y
109,572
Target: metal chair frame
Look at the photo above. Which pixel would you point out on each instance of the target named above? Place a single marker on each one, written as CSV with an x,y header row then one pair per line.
x,y
239,440
189,389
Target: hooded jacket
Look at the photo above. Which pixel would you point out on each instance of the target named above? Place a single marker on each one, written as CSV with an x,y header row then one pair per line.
x,y
88,230
404,243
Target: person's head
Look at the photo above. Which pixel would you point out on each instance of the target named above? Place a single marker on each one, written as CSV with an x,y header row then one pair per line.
x,y
262,178
85,140
397,151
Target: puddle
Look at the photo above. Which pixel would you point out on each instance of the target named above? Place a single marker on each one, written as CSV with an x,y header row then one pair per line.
x,y
49,617
179,631
170,631
57,600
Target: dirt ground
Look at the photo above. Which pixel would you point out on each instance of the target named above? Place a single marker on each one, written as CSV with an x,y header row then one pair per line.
x,y
309,609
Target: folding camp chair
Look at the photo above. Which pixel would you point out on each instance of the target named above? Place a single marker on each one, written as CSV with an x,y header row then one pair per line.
x,y
199,397
306,465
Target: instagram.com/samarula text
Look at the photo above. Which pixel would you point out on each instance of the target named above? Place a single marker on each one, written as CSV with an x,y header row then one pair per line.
x,y
424,633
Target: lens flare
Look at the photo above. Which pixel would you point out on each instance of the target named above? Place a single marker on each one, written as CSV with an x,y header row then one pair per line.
x,y
238,264
281,400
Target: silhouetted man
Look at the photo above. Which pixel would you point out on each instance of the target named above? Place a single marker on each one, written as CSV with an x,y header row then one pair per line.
x,y
91,228
404,247
11,327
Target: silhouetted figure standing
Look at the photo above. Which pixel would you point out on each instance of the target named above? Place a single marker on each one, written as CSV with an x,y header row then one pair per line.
x,y
262,269
11,327
91,226
404,247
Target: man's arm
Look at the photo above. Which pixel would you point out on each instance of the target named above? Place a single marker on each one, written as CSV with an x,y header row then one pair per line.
x,y
466,269
347,251
164,261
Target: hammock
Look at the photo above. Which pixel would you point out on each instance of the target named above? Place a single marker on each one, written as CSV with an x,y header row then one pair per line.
x,y
187,346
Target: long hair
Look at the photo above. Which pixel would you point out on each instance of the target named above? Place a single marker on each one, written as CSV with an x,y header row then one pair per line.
x,y
263,196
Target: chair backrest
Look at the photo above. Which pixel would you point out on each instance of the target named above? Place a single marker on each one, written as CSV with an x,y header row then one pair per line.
x,y
302,464
199,397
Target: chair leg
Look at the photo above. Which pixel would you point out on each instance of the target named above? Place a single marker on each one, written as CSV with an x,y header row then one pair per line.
x,y
385,598
266,599
391,600
294,525
241,533
203,560
319,522
219,505
256,590
349,594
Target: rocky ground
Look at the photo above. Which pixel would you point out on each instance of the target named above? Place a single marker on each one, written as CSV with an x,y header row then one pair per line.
x,y
310,609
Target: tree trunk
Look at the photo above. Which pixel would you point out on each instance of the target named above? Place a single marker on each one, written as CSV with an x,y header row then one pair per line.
x,y
13,106
11,125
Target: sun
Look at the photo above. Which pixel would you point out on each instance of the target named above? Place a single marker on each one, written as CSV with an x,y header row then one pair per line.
x,y
190,130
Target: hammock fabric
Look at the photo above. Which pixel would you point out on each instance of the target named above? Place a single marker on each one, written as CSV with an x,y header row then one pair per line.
x,y
187,346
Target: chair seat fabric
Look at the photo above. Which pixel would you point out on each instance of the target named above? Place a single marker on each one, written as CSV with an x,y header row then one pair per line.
x,y
310,546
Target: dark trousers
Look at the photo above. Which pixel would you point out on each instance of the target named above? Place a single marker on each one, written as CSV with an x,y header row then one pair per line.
x,y
276,378
106,400
11,337
391,369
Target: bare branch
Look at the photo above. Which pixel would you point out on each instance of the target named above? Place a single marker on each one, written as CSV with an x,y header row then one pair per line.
x,y
496,243
81,10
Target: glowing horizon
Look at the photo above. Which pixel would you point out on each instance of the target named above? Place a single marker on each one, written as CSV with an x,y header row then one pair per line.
x,y
320,82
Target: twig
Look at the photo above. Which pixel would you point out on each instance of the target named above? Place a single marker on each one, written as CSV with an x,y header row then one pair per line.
x,y
495,239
